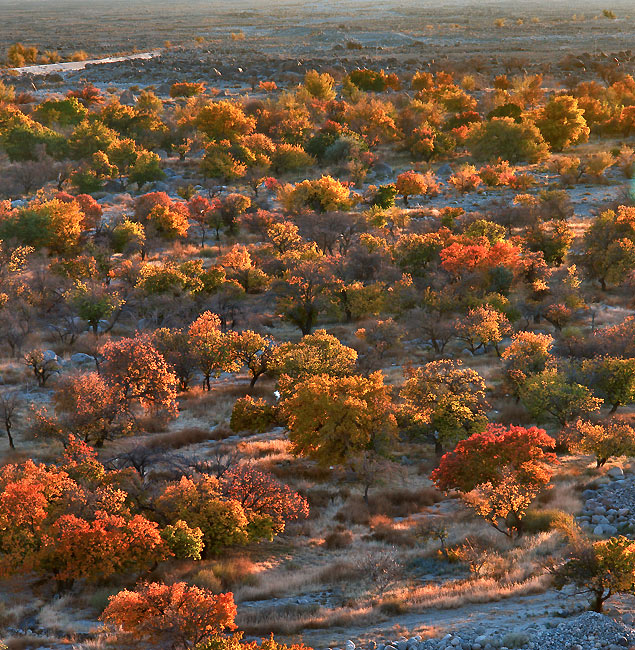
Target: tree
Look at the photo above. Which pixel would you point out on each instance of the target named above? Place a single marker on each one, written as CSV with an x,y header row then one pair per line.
x,y
200,210
140,374
175,346
482,327
170,222
74,548
319,85
445,400
414,184
612,379
602,569
499,472
301,294
224,121
551,397
9,402
603,440
609,246
254,351
336,419
146,168
319,353
324,194
212,348
177,615
184,542
561,122
94,303
253,415
502,137
264,496
198,502
127,236
528,354
90,137
43,365
552,239
51,224
90,407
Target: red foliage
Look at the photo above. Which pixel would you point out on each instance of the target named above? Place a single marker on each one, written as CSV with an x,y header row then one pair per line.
x,y
483,458
262,494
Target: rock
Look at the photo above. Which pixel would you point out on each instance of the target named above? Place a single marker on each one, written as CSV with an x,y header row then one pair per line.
x,y
127,98
350,645
80,358
49,355
382,170
445,170
616,472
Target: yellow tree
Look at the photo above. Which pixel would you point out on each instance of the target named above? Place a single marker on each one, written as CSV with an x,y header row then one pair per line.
x,y
339,420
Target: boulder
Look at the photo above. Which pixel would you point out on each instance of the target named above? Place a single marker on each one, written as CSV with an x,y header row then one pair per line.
x,y
616,472
81,358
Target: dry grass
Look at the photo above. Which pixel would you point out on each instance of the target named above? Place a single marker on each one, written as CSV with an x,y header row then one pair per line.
x,y
187,436
464,592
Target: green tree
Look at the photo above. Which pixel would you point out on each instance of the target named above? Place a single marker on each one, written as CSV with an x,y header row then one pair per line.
x,y
502,137
551,397
612,379
608,254
445,400
603,569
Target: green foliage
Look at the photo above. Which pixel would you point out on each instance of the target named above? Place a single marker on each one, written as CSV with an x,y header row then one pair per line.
x,y
253,415
186,543
502,137
602,569
551,397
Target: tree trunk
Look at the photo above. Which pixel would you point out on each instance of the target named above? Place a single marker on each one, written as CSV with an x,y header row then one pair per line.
x,y
597,604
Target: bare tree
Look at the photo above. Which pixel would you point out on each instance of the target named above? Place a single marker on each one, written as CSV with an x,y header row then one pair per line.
x,y
9,403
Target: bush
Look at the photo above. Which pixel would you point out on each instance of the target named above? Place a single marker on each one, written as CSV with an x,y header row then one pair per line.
x,y
502,137
541,521
338,538
185,89
253,415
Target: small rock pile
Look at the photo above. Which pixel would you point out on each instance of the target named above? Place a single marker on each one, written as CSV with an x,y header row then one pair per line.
x,y
608,508
588,631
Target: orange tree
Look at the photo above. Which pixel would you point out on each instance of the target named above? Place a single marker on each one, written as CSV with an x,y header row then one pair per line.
x,y
72,522
263,495
413,184
140,374
499,472
212,348
175,616
603,439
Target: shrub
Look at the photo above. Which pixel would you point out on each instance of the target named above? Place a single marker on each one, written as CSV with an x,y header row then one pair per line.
x,y
253,415
339,538
502,137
